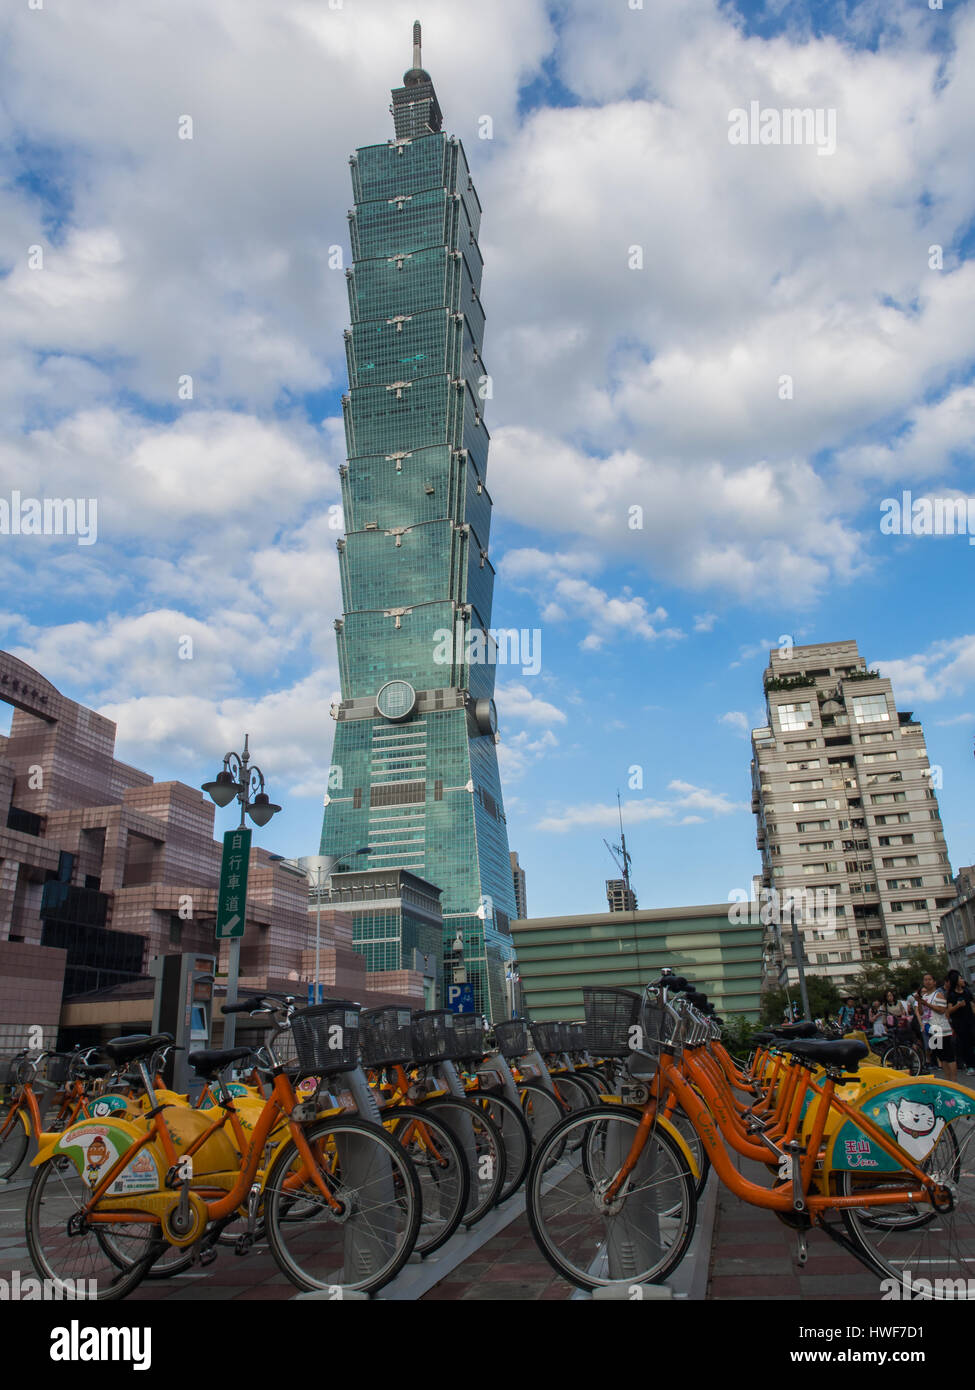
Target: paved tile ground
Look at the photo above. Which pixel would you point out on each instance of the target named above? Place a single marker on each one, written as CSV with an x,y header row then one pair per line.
x,y
753,1256
507,1267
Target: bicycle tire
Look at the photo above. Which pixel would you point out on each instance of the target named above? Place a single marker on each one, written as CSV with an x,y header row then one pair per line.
x,y
170,1260
485,1153
440,1184
575,1092
542,1110
51,1211
515,1135
394,1187
560,1179
595,1078
13,1144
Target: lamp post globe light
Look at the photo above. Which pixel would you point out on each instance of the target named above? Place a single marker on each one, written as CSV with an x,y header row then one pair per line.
x,y
242,781
318,869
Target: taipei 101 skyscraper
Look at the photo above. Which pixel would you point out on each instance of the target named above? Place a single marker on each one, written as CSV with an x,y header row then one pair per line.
x,y
414,768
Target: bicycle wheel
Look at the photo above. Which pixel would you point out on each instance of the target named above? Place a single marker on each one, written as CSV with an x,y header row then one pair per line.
x,y
575,1092
14,1139
913,1239
171,1259
642,1234
903,1057
595,1079
692,1139
542,1111
72,1253
441,1169
515,1135
483,1149
366,1242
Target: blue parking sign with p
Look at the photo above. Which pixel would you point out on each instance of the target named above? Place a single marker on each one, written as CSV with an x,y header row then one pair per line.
x,y
460,999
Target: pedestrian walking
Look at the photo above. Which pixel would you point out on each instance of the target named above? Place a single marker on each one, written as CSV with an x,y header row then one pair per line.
x,y
961,1004
934,1018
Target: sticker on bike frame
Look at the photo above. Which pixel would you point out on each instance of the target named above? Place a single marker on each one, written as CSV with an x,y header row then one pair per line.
x,y
103,1107
235,1088
93,1149
913,1115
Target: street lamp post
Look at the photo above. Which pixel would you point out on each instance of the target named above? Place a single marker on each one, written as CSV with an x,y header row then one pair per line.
x,y
323,866
240,781
797,953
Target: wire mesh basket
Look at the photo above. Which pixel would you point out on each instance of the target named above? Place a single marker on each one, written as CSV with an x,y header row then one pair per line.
x,y
433,1039
468,1036
16,1071
610,1016
575,1037
386,1036
547,1036
326,1036
56,1067
511,1036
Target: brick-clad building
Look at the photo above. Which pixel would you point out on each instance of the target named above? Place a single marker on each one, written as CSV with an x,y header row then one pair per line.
x,y
101,868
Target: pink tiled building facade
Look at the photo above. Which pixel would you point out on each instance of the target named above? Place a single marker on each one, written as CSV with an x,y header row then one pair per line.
x,y
101,869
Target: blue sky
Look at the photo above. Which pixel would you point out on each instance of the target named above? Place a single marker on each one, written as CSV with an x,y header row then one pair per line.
x,y
615,385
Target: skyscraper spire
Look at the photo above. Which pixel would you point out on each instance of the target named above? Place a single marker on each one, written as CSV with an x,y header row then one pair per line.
x,y
416,110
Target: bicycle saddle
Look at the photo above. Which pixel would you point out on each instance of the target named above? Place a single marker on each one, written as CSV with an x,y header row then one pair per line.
x,y
797,1030
845,1053
208,1061
135,1047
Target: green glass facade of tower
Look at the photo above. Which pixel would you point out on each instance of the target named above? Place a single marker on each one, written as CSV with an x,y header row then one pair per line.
x,y
414,768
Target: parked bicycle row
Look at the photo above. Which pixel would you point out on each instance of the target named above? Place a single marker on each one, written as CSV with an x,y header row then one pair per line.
x,y
879,1160
348,1141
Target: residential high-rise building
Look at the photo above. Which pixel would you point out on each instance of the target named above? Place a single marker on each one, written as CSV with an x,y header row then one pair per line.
x,y
518,876
847,811
620,895
414,769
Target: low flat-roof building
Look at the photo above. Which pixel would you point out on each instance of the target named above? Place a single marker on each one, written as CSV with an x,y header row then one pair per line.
x,y
557,956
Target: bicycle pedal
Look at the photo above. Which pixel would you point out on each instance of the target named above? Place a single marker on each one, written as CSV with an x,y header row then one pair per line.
x,y
242,1245
207,1255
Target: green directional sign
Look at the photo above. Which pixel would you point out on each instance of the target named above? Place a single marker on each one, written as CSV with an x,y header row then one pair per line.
x,y
232,898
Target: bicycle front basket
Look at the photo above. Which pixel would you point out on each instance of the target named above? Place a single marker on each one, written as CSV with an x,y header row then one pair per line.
x,y
56,1068
610,1015
511,1035
468,1036
547,1036
326,1036
575,1037
433,1035
386,1036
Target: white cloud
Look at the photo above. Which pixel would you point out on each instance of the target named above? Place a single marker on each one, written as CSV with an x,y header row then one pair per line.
x,y
688,797
946,668
737,720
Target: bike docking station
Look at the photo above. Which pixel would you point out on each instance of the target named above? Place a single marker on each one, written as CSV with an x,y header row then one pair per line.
x,y
424,1272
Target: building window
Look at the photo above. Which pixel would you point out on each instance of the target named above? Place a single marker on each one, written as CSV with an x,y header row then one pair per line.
x,y
870,709
797,716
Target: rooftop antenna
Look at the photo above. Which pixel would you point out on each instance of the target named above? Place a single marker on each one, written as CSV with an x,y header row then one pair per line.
x,y
619,852
416,44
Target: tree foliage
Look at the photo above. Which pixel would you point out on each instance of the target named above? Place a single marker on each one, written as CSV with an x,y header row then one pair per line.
x,y
824,999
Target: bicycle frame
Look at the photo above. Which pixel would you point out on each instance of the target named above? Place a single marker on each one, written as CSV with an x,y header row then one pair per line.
x,y
281,1101
792,1195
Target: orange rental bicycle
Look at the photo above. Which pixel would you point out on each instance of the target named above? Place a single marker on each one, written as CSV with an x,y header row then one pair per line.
x,y
881,1163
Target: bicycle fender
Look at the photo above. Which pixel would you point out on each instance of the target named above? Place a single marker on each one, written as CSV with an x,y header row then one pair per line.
x,y
93,1146
913,1111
